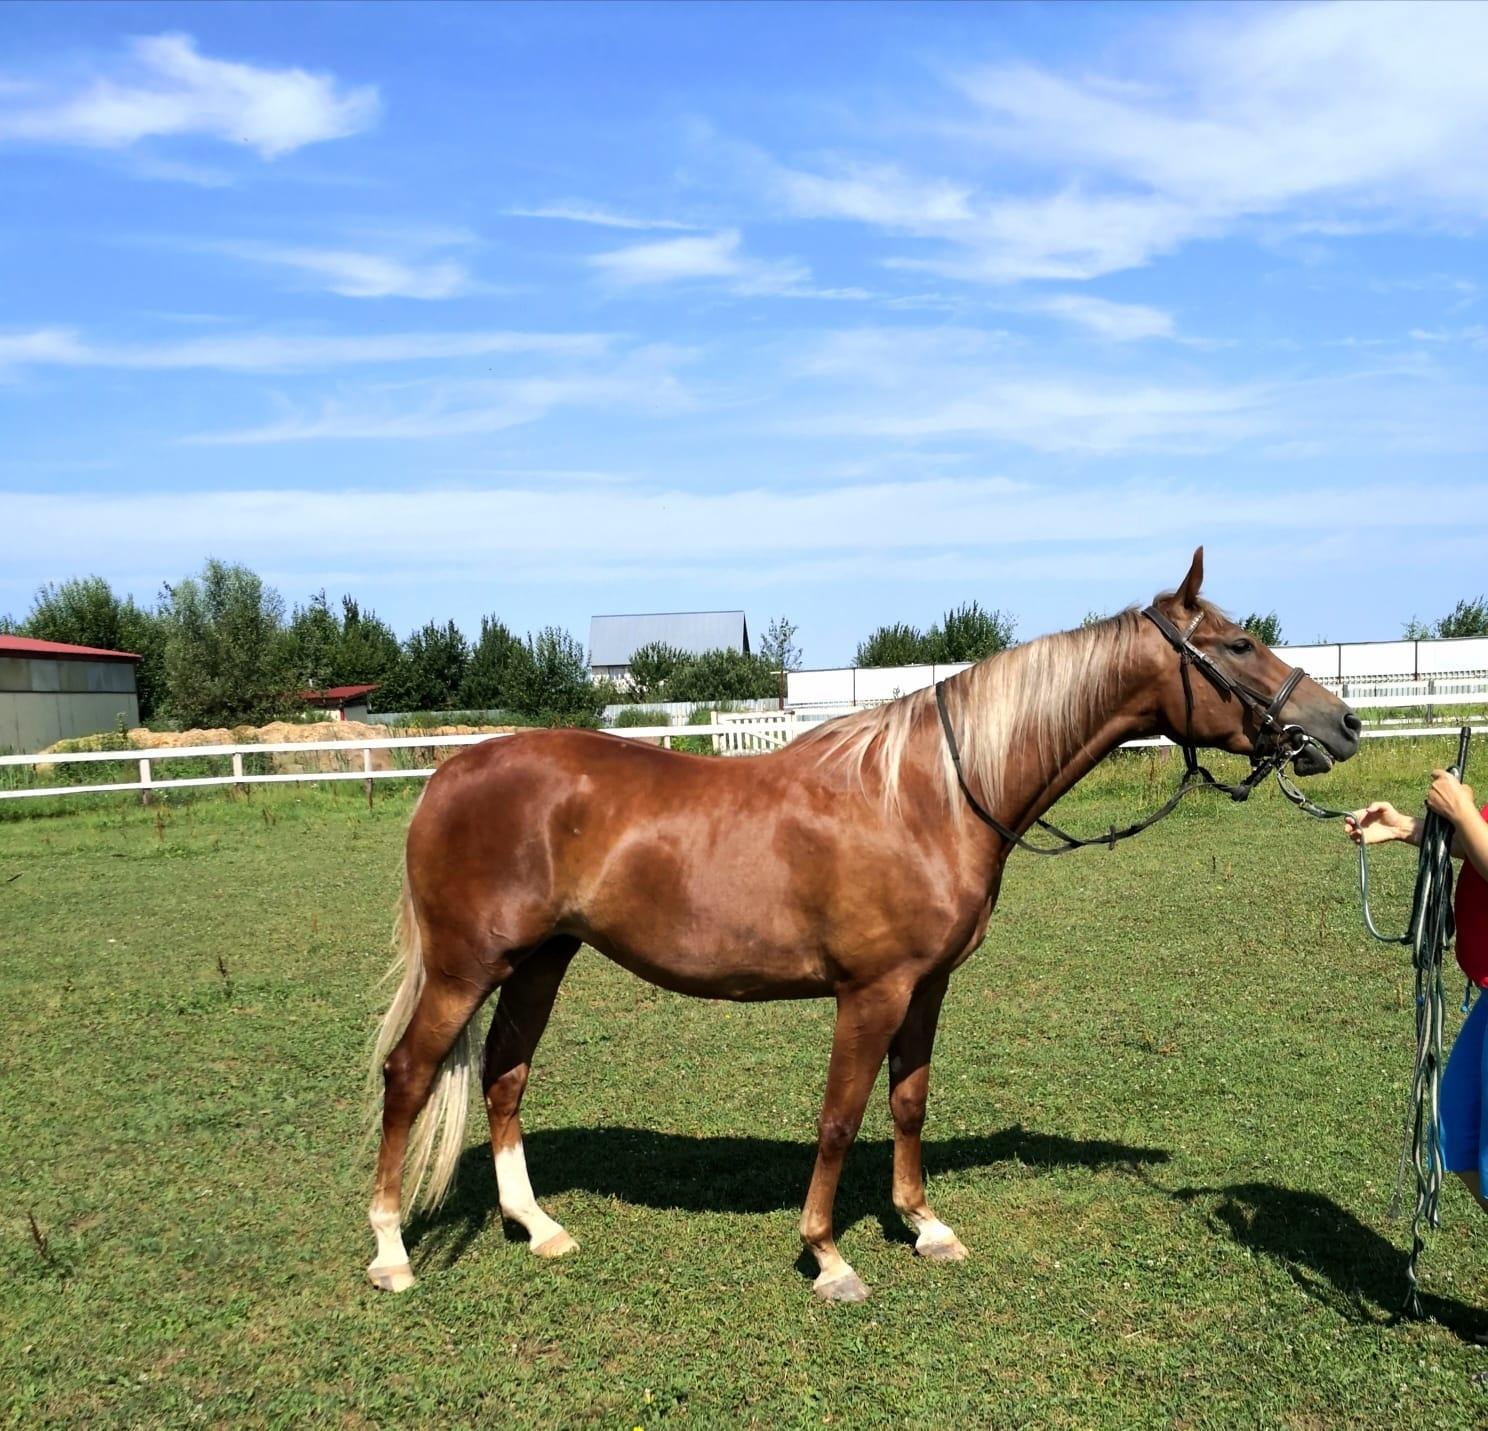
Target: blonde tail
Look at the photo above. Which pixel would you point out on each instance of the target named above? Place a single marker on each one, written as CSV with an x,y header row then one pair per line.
x,y
437,1138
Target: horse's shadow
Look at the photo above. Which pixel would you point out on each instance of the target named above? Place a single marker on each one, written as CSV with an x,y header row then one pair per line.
x,y
729,1174
1327,1251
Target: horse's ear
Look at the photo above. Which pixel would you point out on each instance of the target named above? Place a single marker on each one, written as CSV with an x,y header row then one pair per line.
x,y
1188,593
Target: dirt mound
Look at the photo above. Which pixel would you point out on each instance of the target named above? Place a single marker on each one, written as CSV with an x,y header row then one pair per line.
x,y
282,732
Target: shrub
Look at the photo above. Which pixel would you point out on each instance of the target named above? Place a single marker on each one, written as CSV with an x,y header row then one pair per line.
x,y
632,717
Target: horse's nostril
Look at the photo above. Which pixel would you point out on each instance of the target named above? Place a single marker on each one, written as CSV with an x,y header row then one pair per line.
x,y
1352,723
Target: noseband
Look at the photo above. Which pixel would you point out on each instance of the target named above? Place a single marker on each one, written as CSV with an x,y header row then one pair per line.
x,y
1276,743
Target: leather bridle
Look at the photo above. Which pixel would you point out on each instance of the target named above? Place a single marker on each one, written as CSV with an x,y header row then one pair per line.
x,y
1275,744
1272,737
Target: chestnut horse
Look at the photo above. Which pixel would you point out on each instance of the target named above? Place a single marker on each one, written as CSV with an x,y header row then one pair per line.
x,y
846,865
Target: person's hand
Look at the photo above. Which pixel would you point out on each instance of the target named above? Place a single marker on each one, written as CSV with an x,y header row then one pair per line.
x,y
1376,823
1448,796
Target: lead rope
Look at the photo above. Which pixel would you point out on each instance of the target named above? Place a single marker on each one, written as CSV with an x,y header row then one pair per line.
x,y
1428,932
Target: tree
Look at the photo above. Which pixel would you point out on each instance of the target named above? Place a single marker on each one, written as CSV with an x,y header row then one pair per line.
x,y
1266,629
81,612
312,644
778,649
896,645
85,612
651,667
554,680
431,670
723,675
1092,618
368,653
968,633
497,672
1467,618
224,649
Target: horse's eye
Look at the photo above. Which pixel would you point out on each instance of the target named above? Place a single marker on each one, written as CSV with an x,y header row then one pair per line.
x,y
1243,647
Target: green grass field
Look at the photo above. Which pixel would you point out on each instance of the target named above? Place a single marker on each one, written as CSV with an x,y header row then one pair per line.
x,y
1164,1118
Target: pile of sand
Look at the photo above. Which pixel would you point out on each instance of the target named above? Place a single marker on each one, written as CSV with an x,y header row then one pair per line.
x,y
282,732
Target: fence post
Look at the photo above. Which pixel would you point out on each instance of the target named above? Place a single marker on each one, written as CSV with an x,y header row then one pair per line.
x,y
367,768
145,781
237,768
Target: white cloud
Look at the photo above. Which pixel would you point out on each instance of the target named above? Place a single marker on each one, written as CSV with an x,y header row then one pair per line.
x,y
358,274
932,383
987,238
1332,118
1119,322
1079,414
167,87
879,194
710,256
280,353
531,528
1474,336
581,213
1257,108
644,381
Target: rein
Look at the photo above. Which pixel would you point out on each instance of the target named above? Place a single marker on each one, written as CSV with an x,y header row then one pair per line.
x,y
1283,743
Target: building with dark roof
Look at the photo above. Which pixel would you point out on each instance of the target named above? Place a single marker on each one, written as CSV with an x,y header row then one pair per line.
x,y
50,691
613,639
344,702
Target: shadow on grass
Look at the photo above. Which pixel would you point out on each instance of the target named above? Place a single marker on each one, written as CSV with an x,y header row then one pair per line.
x,y
1328,1252
742,1175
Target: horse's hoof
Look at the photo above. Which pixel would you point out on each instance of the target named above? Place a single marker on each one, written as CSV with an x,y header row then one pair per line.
x,y
398,1278
560,1244
847,1288
945,1249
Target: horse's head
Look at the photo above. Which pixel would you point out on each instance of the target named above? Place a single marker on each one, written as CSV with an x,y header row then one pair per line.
x,y
1239,696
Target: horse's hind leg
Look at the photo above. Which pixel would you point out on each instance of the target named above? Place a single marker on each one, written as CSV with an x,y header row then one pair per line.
x,y
432,1045
909,1082
521,1016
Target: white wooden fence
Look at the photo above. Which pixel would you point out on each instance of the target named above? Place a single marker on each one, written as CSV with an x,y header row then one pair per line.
x,y
735,733
730,735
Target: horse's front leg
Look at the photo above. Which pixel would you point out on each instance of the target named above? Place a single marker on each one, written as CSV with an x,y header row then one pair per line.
x,y
909,1083
867,1018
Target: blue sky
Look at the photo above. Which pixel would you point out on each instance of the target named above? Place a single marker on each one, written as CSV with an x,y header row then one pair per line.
x,y
848,312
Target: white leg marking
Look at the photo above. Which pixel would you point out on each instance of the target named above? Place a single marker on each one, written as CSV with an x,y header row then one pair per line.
x,y
935,1240
837,1282
389,1270
548,1239
932,1230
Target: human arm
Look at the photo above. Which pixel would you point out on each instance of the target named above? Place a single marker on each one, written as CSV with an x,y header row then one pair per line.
x,y
1450,798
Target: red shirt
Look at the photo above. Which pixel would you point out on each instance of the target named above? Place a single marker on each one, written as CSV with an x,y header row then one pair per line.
x,y
1472,922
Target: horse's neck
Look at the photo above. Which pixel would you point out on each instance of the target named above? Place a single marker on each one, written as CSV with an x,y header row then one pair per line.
x,y
1030,786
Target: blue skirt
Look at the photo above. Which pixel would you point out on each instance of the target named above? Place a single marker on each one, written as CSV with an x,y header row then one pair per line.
x,y
1464,1131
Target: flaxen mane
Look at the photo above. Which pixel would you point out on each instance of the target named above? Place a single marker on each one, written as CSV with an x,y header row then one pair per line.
x,y
1038,696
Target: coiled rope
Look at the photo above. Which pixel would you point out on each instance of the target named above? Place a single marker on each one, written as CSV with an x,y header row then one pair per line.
x,y
1428,932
